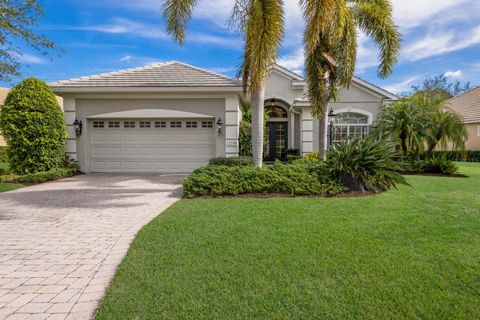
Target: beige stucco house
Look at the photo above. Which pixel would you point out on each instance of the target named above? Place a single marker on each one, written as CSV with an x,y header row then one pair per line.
x,y
174,117
467,105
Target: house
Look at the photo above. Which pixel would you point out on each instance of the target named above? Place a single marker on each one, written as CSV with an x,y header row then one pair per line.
x,y
174,117
467,106
3,95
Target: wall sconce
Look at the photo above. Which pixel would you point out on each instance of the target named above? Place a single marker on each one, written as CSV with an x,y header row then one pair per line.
x,y
219,125
78,125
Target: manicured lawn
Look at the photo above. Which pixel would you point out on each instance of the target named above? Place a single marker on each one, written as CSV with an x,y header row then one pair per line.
x,y
413,253
7,186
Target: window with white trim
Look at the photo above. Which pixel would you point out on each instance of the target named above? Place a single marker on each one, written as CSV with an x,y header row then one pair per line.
x,y
114,124
191,124
160,124
129,124
350,125
145,124
207,124
478,131
98,124
175,124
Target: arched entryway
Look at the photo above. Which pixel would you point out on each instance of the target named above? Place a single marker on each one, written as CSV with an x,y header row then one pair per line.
x,y
277,124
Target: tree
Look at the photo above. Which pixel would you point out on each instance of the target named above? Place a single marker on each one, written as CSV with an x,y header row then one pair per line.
x,y
444,127
330,42
438,89
32,123
18,18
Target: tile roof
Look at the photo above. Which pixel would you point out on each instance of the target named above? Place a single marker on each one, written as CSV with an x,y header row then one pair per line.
x,y
167,74
466,105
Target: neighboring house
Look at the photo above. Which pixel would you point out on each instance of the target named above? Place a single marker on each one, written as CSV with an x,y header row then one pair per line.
x,y
3,95
173,117
467,106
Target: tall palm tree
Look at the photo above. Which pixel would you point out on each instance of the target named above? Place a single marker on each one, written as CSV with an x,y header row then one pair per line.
x,y
443,128
330,42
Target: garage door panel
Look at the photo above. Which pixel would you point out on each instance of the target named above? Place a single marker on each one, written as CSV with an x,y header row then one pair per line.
x,y
168,150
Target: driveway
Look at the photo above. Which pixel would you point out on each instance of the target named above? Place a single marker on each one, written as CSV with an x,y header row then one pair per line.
x,y
61,242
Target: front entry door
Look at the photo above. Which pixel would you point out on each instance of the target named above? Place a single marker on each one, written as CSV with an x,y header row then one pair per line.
x,y
278,141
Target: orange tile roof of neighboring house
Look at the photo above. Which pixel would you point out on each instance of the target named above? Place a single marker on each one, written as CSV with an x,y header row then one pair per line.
x,y
466,105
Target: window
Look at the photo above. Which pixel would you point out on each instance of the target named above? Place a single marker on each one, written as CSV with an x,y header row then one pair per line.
x,y
175,124
129,124
98,124
160,124
207,124
114,124
191,124
276,112
478,131
350,125
145,124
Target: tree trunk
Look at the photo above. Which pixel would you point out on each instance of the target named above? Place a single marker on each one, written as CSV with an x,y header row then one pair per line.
x,y
258,97
323,129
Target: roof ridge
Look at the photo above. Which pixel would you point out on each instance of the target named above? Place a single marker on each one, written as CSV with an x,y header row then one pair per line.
x,y
205,70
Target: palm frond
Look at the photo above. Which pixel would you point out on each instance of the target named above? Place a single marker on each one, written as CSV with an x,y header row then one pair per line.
x,y
177,13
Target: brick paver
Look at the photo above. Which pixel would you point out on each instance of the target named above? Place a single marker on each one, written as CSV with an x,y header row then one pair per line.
x,y
61,242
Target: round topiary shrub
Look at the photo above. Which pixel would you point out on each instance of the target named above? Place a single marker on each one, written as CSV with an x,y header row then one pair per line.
x,y
32,123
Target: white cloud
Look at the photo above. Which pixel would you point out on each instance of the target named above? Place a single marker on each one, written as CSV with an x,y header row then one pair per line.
x,y
125,58
454,74
293,61
401,86
441,42
27,58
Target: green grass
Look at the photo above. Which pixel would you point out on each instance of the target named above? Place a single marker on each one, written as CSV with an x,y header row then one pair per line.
x,y
412,253
7,186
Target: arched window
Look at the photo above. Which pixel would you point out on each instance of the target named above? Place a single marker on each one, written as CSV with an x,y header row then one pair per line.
x,y
276,112
350,125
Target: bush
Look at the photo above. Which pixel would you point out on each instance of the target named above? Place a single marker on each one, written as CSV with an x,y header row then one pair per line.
x,y
32,123
466,155
39,177
3,153
440,164
231,161
365,165
291,179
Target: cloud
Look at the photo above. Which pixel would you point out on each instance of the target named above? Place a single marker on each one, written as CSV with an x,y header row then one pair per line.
x,y
293,61
402,86
441,42
29,59
125,58
454,74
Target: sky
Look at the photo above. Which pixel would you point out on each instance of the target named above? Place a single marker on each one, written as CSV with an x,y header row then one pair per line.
x,y
438,36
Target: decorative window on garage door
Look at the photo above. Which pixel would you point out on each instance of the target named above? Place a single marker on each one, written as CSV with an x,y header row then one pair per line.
x,y
114,124
145,124
207,124
191,124
98,124
176,124
160,124
129,124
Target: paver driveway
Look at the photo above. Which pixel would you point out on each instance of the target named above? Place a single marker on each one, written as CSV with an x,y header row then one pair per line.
x,y
60,242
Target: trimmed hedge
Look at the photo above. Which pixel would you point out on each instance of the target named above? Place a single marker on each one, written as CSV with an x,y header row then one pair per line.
x,y
31,122
298,178
231,161
467,155
39,177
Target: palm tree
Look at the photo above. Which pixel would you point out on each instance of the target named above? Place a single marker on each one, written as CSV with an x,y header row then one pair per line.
x,y
403,122
445,127
330,42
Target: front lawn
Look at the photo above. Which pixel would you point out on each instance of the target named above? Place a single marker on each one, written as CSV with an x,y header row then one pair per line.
x,y
7,186
411,253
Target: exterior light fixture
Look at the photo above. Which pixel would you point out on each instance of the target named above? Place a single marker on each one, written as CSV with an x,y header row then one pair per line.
x,y
331,117
219,125
78,125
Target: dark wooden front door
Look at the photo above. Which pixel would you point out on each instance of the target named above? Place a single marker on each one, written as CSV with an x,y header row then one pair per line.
x,y
277,141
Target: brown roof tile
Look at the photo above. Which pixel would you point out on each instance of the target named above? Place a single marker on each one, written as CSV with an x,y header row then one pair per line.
x,y
466,105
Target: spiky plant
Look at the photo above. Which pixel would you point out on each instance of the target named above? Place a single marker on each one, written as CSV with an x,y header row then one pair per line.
x,y
444,128
330,42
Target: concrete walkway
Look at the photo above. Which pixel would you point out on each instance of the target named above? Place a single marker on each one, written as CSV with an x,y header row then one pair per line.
x,y
61,242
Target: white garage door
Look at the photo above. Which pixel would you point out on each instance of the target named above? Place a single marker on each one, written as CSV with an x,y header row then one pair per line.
x,y
174,145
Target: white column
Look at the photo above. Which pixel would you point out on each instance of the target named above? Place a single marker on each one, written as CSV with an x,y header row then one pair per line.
x,y
69,116
306,131
232,126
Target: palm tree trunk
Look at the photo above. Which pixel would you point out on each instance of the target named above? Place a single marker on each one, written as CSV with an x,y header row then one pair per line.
x,y
258,97
325,101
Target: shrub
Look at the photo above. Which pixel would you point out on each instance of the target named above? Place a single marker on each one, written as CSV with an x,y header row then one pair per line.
x,y
39,177
32,123
315,156
440,164
3,153
365,165
466,155
291,179
231,161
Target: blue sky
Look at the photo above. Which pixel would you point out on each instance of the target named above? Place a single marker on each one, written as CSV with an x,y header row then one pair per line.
x,y
439,36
